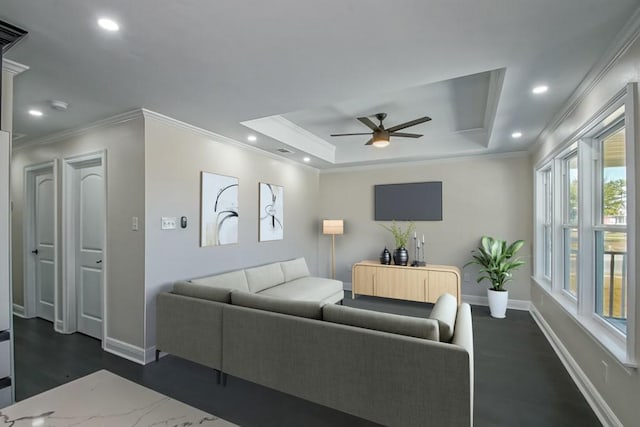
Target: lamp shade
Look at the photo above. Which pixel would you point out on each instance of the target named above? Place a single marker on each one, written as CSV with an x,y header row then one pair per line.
x,y
333,226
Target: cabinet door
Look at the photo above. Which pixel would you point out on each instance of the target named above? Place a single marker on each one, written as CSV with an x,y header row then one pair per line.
x,y
441,282
400,283
363,278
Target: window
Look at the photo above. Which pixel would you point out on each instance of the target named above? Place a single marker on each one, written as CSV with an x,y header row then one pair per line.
x,y
584,215
570,223
610,228
547,230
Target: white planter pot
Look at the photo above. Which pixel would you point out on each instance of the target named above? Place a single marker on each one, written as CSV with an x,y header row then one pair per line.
x,y
498,303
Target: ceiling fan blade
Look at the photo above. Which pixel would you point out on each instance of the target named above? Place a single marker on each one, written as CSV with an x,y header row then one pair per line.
x,y
368,123
349,134
369,142
405,135
409,124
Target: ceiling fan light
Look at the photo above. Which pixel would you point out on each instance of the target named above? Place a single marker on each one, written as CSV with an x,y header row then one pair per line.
x,y
380,143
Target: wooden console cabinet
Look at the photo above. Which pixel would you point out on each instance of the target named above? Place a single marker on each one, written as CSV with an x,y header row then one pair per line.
x,y
424,284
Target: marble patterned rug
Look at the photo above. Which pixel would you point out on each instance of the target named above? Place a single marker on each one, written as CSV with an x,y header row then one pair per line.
x,y
104,399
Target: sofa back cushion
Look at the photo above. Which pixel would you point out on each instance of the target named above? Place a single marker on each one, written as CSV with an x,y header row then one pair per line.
x,y
264,277
294,269
444,311
385,322
309,309
189,289
231,280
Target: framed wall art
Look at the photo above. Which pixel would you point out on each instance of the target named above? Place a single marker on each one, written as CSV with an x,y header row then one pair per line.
x,y
271,212
219,209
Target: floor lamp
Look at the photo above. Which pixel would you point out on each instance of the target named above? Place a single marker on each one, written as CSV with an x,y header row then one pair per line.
x,y
333,227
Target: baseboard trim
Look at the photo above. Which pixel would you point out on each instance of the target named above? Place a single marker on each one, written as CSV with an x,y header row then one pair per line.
x,y
513,304
604,413
125,350
18,310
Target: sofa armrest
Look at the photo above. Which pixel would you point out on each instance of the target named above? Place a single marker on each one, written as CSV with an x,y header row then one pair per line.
x,y
190,328
463,337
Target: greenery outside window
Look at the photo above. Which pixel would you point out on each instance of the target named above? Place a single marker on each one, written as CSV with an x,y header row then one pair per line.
x,y
570,244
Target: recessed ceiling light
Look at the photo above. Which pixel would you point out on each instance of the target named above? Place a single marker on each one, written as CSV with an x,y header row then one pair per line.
x,y
252,138
540,89
516,135
37,422
108,24
306,159
35,113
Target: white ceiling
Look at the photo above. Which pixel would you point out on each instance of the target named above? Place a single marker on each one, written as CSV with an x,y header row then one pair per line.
x,y
315,67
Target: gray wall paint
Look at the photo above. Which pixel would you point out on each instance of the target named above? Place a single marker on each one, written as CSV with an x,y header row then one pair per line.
x,y
622,392
124,144
483,195
175,156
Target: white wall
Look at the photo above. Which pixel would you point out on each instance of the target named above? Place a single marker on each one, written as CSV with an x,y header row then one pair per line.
x,y
124,145
481,196
175,155
622,391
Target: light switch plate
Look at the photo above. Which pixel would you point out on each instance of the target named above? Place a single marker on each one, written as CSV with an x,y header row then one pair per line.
x,y
134,223
168,223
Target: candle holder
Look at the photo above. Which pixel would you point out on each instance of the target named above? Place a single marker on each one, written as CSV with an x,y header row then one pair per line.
x,y
418,252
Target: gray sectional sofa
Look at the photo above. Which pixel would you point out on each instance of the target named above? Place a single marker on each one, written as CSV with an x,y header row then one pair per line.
x,y
390,369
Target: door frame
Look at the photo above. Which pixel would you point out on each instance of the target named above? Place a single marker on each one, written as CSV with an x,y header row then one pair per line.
x,y
28,236
69,197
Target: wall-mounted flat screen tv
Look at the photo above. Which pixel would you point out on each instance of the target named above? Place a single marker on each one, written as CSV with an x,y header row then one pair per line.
x,y
417,201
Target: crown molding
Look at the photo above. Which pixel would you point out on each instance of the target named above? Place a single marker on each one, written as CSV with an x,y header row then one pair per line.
x,y
625,38
152,115
427,162
13,67
70,133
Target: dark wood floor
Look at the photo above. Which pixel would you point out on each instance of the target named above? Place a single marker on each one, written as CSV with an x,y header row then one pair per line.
x,y
519,381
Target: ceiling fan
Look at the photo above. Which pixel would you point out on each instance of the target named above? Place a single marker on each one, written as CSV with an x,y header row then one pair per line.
x,y
380,136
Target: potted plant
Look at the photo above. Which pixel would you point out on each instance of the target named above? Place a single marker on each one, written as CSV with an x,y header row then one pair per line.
x,y
400,254
497,262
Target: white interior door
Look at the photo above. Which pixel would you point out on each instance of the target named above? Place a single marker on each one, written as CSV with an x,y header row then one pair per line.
x,y
44,251
90,215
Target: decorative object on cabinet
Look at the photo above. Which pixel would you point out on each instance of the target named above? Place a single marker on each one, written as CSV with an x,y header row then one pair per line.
x,y
423,284
219,209
333,227
271,212
418,252
497,261
401,237
385,257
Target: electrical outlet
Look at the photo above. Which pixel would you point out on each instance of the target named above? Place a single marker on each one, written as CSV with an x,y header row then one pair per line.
x,y
168,223
465,277
134,223
605,372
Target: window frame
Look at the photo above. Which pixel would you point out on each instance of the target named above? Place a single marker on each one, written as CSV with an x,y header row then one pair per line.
x,y
586,142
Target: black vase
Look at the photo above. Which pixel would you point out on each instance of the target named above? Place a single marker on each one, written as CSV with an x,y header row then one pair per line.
x,y
385,257
401,256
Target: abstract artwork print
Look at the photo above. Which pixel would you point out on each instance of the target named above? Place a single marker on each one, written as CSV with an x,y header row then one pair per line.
x,y
271,212
219,210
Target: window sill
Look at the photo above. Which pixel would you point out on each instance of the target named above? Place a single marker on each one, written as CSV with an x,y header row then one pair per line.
x,y
599,333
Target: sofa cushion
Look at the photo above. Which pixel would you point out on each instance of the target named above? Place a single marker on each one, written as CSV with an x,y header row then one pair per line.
x,y
294,269
264,277
231,280
305,289
211,293
385,322
444,311
310,309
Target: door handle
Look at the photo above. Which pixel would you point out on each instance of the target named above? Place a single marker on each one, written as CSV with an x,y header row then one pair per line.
x,y
98,261
35,252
